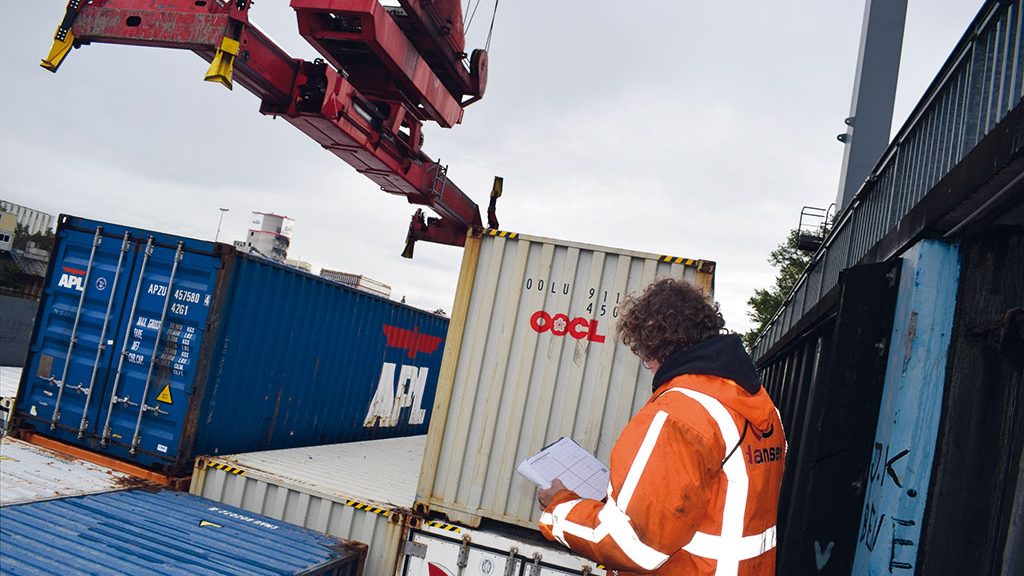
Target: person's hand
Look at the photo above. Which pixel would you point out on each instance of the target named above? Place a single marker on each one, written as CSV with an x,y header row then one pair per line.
x,y
545,495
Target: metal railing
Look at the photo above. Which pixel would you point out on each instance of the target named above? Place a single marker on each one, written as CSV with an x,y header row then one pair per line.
x,y
977,86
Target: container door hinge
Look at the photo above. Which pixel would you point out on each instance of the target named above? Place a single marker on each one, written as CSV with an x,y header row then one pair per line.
x,y
415,549
511,564
535,565
464,553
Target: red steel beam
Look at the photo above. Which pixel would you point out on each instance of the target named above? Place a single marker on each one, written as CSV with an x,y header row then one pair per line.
x,y
368,24
312,96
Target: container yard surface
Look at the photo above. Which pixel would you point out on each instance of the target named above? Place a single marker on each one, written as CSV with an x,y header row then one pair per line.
x,y
30,473
153,349
531,357
355,491
163,532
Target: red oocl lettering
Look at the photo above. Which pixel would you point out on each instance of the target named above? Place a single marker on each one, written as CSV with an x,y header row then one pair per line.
x,y
579,328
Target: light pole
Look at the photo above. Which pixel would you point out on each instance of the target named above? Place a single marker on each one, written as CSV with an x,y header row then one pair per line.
x,y
219,222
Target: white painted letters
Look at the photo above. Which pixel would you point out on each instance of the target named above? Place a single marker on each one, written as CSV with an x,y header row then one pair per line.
x,y
71,281
391,397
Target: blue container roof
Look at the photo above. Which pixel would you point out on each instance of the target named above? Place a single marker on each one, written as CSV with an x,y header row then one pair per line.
x,y
161,532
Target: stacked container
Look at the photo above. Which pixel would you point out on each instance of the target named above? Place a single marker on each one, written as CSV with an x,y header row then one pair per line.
x,y
61,515
154,348
531,356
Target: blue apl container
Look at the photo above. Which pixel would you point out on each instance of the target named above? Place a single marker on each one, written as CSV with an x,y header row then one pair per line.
x,y
162,532
155,349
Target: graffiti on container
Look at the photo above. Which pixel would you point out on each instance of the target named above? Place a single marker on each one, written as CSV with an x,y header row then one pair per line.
x,y
821,555
882,472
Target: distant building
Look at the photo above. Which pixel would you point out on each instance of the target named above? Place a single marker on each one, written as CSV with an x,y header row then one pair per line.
x,y
270,235
8,223
357,281
300,264
34,221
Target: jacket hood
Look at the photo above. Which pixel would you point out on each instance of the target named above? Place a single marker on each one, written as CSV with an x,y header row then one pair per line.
x,y
713,362
721,356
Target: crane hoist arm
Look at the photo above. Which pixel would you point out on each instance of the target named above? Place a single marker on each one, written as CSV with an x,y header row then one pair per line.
x,y
385,71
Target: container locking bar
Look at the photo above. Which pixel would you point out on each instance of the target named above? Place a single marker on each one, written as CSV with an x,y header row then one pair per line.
x,y
143,408
103,337
114,399
96,240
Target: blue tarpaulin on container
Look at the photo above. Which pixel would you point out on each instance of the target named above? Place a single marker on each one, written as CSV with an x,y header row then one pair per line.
x,y
162,532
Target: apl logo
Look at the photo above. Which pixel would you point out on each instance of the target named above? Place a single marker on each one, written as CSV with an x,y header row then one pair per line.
x,y
560,325
407,390
72,278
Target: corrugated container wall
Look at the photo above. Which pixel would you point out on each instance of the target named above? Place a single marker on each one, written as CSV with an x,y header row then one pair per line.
x,y
163,532
155,348
531,357
357,491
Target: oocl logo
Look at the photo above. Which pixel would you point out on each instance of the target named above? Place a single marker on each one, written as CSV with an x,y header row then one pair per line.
x,y
560,325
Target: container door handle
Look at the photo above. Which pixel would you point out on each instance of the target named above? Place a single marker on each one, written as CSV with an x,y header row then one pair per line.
x,y
103,337
114,400
156,347
96,240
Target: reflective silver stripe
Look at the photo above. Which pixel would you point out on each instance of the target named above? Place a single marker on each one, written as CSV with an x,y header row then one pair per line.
x,y
715,547
737,488
618,526
613,522
557,520
636,469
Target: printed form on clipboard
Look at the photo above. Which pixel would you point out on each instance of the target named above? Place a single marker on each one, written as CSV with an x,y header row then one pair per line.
x,y
569,462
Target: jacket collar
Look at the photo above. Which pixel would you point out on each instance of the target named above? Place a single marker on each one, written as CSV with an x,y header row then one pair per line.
x,y
722,356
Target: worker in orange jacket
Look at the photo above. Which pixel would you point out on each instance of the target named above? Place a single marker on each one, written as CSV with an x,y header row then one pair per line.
x,y
695,475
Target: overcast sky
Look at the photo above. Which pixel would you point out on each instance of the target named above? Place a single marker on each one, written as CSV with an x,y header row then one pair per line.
x,y
697,129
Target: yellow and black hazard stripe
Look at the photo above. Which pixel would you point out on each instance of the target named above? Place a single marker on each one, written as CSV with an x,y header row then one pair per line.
x,y
226,468
705,266
502,234
677,260
442,526
368,507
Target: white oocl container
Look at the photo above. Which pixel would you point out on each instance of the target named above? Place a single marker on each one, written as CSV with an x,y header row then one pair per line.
x,y
531,356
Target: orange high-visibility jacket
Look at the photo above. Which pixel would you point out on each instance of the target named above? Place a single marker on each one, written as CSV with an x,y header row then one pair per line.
x,y
673,506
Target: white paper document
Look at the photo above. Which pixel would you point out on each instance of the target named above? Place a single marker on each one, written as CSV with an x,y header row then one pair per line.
x,y
570,463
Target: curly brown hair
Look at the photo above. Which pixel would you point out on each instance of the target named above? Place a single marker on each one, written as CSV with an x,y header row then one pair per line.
x,y
668,316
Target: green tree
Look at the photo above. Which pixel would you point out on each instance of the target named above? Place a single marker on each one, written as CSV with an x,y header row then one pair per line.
x,y
790,262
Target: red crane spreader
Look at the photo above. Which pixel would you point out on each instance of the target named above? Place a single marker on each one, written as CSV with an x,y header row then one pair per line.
x,y
384,72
